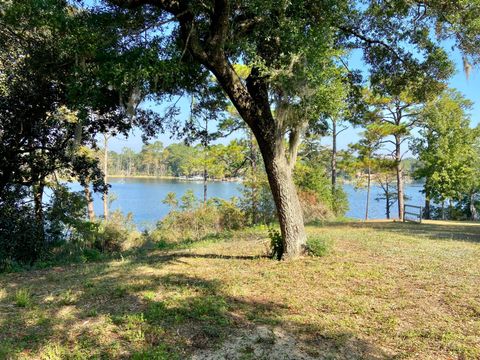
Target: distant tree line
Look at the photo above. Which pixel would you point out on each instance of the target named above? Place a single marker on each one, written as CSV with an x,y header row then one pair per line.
x,y
178,160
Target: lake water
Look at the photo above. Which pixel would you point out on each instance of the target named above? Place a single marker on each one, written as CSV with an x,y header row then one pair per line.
x,y
143,197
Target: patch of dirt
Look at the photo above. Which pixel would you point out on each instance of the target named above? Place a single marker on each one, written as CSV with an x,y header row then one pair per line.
x,y
257,343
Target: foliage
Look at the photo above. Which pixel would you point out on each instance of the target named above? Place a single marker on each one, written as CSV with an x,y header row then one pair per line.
x,y
65,215
276,244
447,149
114,234
23,298
171,200
319,201
178,159
232,216
195,220
70,236
257,200
339,202
20,236
318,246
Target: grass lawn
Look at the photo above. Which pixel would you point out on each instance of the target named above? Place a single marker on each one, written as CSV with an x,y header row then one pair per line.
x,y
385,290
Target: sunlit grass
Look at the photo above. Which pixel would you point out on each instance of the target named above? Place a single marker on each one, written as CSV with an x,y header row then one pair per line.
x,y
382,290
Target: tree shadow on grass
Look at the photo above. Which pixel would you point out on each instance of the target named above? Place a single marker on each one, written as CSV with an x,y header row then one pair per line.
x,y
458,232
127,311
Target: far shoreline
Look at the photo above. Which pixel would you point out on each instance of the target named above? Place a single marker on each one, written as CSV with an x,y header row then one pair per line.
x,y
166,177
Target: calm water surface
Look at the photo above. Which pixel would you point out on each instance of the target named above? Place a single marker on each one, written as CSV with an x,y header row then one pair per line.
x,y
143,197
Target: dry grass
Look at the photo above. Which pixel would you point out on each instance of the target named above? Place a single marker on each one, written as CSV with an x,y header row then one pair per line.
x,y
386,290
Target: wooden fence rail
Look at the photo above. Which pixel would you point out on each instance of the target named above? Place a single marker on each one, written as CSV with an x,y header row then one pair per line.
x,y
418,215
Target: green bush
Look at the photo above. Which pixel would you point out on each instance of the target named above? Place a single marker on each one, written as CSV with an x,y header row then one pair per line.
x,y
116,234
90,255
198,221
231,217
318,246
276,244
192,224
313,179
21,240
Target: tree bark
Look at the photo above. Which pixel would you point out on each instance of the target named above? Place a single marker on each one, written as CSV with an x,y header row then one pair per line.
x,y
38,201
334,155
253,165
252,103
288,205
387,199
89,198
38,210
399,171
450,209
426,210
105,176
205,185
473,209
205,171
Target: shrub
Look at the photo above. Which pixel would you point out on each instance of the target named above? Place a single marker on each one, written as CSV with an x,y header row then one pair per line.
x,y
65,215
317,246
339,201
197,222
21,240
314,180
230,214
116,234
313,209
192,224
23,298
276,244
89,255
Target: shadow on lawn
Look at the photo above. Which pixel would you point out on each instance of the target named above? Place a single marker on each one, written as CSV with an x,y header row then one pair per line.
x,y
126,311
443,231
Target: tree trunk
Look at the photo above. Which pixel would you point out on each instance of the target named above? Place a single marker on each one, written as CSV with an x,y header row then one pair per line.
x,y
334,155
253,104
105,177
368,194
399,171
387,199
443,210
205,171
287,202
426,210
39,216
89,198
38,202
473,209
205,185
253,164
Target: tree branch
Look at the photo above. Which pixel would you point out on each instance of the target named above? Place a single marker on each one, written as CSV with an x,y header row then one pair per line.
x,y
370,41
